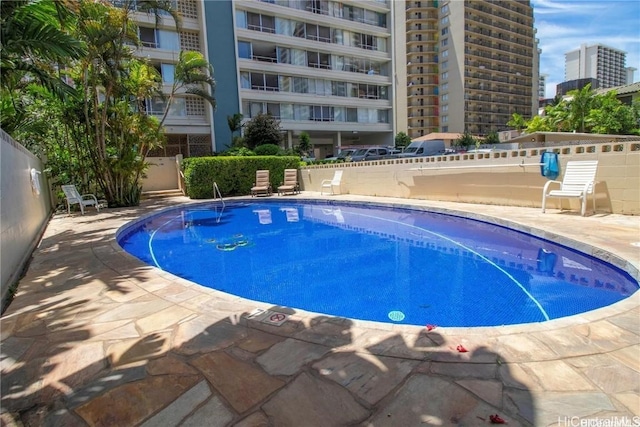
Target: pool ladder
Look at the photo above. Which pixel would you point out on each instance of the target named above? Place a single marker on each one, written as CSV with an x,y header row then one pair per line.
x,y
216,191
218,194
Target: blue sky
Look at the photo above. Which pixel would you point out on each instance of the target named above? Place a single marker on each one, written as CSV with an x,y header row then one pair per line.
x,y
563,25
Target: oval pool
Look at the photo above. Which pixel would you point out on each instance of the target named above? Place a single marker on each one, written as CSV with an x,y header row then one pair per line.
x,y
370,262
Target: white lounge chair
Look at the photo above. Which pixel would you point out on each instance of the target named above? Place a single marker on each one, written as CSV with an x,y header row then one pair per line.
x,y
331,183
578,182
74,197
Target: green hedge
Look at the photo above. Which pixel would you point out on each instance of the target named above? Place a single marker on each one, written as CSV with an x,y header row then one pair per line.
x,y
234,175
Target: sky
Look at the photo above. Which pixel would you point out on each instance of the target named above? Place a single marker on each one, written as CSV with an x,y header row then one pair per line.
x,y
563,25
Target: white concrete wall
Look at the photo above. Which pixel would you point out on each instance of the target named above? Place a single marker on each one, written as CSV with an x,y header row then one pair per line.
x,y
24,213
497,178
161,175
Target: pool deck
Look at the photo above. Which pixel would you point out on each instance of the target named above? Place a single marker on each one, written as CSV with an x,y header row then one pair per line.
x,y
96,338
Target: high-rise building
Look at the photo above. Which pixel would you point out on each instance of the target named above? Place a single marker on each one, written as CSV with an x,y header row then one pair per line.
x,y
318,66
470,65
600,62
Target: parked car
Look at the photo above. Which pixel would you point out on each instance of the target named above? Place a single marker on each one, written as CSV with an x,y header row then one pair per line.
x,y
342,156
369,153
422,148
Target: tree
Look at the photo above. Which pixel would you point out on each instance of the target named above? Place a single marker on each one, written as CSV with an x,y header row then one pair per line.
x,y
304,144
466,140
262,129
33,46
402,140
579,107
538,124
235,125
517,121
103,131
492,138
556,119
611,116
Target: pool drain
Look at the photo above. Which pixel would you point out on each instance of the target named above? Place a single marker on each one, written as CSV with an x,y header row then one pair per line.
x,y
396,316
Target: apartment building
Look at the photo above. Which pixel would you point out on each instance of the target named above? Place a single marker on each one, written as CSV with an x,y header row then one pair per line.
x,y
319,66
189,124
598,61
470,65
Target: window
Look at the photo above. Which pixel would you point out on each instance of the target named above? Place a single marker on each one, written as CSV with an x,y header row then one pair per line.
x,y
286,111
365,41
318,6
263,23
444,9
312,31
273,109
444,42
445,53
168,40
322,113
444,31
444,21
245,81
444,65
445,75
445,98
300,85
241,19
318,60
147,37
284,26
168,72
256,109
244,50
337,36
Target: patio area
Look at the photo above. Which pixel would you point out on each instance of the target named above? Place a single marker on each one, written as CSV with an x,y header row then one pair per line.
x,y
95,337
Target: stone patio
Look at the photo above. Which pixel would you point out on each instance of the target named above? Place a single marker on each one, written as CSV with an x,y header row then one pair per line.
x,y
96,338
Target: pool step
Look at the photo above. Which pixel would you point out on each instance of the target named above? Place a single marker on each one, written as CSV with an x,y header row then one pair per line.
x,y
161,194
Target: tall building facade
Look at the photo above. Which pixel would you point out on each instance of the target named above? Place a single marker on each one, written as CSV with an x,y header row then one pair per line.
x,y
318,66
600,62
188,125
470,65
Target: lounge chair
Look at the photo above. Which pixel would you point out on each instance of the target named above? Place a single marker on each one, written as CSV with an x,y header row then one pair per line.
x,y
290,183
578,182
262,184
331,183
74,197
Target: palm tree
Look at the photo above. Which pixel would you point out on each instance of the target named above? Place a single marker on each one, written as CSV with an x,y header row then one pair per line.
x,y
579,107
115,88
33,47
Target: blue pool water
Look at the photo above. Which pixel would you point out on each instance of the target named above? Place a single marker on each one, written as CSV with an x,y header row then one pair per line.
x,y
376,263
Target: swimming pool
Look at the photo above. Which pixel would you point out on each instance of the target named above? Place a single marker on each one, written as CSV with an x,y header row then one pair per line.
x,y
377,263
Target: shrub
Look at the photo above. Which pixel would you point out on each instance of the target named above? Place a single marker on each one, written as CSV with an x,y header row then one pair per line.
x,y
267,150
234,175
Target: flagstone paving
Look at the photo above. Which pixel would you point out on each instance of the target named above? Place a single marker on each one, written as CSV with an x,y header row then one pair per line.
x,y
96,338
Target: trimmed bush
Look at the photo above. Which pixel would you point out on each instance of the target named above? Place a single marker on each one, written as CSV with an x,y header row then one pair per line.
x,y
234,175
267,150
